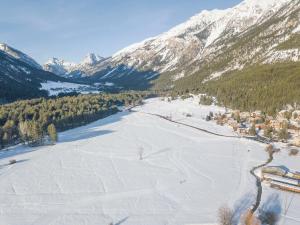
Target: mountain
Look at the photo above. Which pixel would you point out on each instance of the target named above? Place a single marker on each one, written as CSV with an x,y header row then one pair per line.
x,y
240,55
212,46
19,55
72,70
21,77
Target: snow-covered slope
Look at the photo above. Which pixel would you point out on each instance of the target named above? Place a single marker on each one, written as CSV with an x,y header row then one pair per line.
x,y
19,55
94,175
69,69
20,78
250,32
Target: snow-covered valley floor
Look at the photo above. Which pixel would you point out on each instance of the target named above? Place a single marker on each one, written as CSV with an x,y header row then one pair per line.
x,y
94,175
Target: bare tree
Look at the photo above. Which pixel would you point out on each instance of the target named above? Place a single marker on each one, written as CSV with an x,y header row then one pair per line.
x,y
250,219
225,216
141,153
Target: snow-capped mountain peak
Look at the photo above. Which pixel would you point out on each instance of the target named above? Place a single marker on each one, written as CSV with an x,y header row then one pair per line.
x,y
19,55
192,40
69,69
56,61
91,59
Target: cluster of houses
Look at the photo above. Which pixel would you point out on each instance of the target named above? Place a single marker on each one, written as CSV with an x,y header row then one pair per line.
x,y
281,178
246,123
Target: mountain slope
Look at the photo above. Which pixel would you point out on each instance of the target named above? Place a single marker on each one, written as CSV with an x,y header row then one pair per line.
x,y
209,45
20,77
258,69
19,55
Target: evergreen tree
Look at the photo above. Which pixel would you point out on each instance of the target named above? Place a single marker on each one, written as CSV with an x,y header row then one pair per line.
x,y
52,133
35,133
1,138
24,131
28,120
9,131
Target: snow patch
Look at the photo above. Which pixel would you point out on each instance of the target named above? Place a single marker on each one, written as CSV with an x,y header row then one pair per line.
x,y
55,88
284,55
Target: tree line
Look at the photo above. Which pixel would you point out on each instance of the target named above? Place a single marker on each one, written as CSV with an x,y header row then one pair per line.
x,y
269,87
34,121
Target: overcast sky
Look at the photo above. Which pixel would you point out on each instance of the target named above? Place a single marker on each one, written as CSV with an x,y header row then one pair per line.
x,y
70,29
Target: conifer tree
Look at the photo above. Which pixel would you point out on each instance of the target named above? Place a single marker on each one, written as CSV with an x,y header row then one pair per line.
x,y
24,131
1,138
35,133
52,133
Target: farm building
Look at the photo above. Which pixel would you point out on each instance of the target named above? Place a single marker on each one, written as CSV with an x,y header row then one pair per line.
x,y
295,175
275,170
286,187
281,179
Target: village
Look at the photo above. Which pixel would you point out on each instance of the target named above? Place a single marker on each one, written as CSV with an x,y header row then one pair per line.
x,y
283,129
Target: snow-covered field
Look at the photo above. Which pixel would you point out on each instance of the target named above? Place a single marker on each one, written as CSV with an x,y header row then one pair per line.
x,y
94,175
54,88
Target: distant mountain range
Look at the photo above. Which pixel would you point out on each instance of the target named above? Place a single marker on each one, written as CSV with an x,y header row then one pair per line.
x,y
200,53
73,70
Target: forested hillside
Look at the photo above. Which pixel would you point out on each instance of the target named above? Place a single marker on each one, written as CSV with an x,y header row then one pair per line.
x,y
30,121
269,87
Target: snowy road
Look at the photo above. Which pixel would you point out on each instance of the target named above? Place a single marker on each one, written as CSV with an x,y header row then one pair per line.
x,y
94,175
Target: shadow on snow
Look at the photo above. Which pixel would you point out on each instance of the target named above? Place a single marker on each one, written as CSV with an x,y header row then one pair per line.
x,y
89,131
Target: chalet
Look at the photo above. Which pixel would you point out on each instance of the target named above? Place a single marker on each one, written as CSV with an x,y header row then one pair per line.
x,y
260,126
283,114
296,141
245,116
243,131
256,114
285,187
278,123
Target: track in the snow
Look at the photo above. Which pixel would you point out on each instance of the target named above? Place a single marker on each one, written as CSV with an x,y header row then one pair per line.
x,y
257,138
